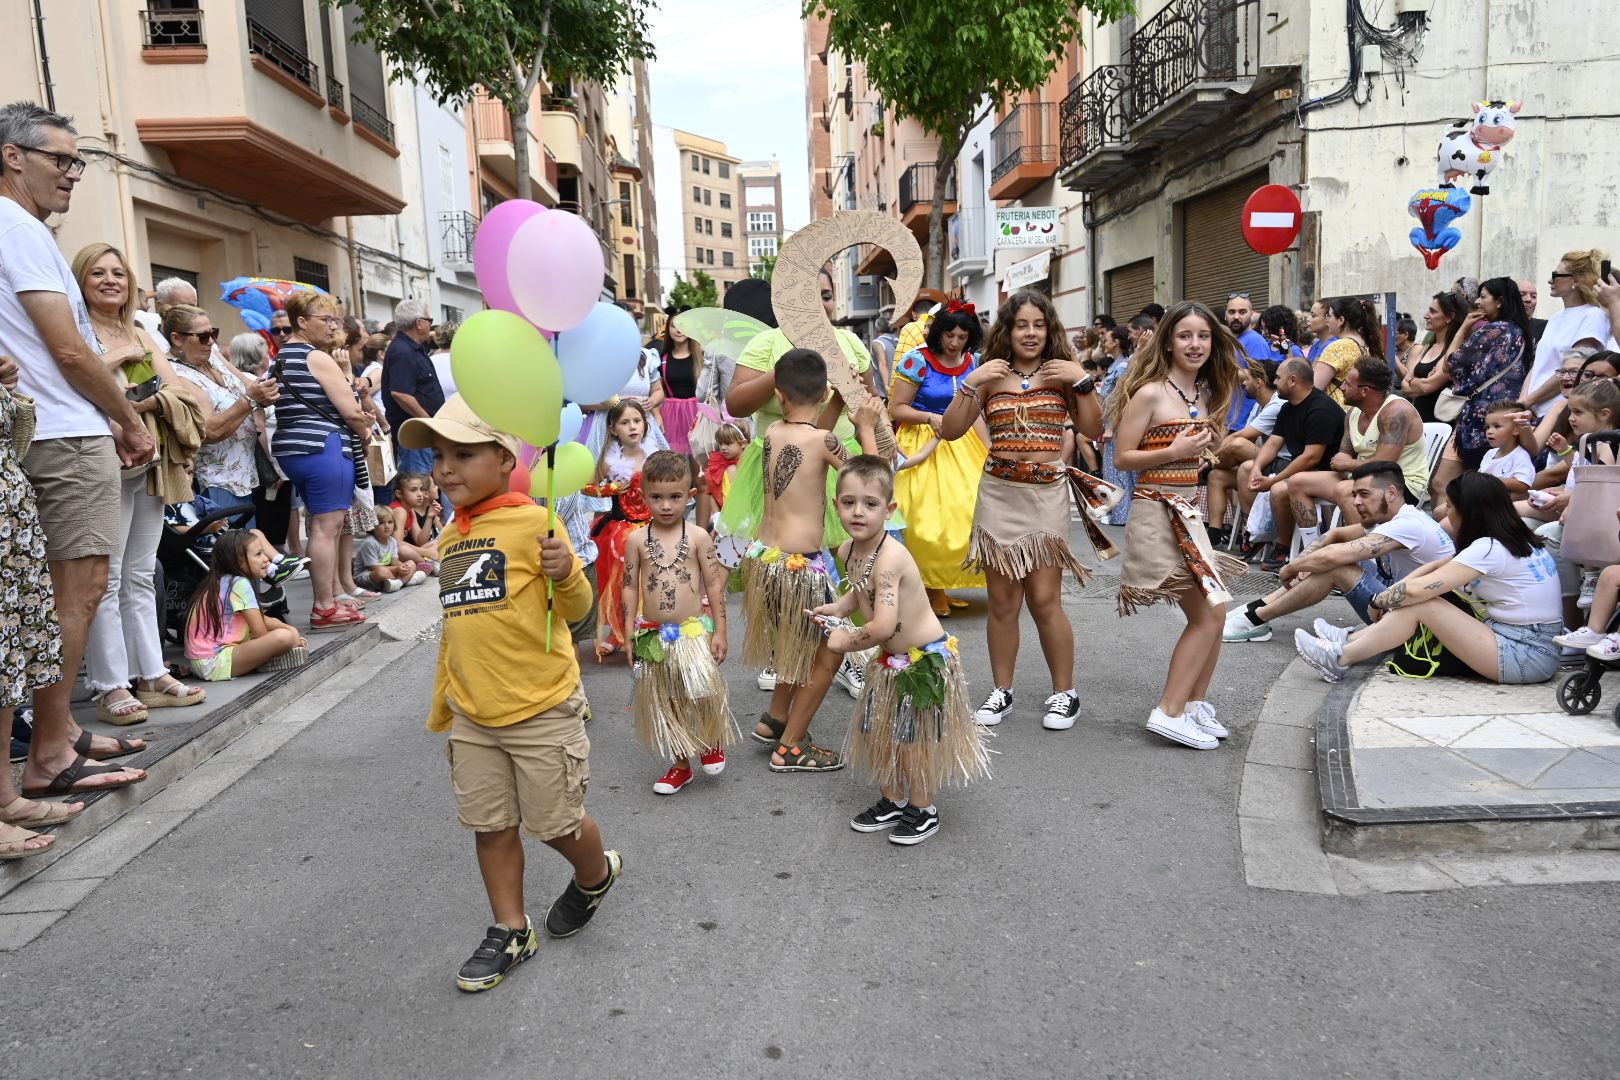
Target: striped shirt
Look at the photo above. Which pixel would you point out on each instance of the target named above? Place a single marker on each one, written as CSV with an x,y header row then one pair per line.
x,y
299,428
1030,422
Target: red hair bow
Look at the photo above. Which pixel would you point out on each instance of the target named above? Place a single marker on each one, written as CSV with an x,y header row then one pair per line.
x,y
958,307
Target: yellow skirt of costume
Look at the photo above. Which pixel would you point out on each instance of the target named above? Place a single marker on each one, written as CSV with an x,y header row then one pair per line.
x,y
680,697
937,498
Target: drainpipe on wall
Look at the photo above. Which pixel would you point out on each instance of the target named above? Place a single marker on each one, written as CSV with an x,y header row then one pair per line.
x,y
357,302
47,86
135,253
1088,216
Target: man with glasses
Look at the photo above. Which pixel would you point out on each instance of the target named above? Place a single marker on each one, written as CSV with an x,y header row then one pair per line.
x,y
410,386
73,465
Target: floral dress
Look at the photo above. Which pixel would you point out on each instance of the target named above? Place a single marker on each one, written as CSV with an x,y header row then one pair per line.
x,y
229,463
1492,347
30,635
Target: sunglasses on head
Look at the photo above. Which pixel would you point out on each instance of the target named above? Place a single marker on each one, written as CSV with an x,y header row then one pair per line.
x,y
204,336
1237,296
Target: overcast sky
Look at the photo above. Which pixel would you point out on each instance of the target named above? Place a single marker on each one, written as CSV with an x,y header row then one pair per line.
x,y
735,72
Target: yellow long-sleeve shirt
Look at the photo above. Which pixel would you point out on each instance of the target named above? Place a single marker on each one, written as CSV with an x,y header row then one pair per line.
x,y
494,668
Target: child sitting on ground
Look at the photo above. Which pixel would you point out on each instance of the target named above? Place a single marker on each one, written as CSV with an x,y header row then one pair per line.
x,y
417,519
226,633
377,562
671,576
1506,459
913,731
507,688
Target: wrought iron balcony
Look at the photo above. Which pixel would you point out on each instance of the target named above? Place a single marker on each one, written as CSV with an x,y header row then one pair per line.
x,y
334,93
280,55
1096,128
1188,43
372,119
917,187
172,28
457,229
1024,147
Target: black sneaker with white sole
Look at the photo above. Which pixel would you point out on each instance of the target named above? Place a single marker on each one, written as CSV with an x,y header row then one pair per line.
x,y
916,825
1062,710
570,912
503,949
881,815
995,707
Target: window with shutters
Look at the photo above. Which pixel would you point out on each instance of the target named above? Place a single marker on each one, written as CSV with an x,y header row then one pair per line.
x,y
311,272
276,32
1215,260
1130,289
725,201
697,194
725,228
728,259
708,197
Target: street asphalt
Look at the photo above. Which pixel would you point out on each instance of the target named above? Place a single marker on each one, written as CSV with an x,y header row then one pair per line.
x,y
1083,913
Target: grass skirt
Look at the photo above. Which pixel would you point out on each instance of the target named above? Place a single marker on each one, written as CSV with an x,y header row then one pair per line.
x,y
1167,550
777,587
938,515
1020,528
940,741
679,700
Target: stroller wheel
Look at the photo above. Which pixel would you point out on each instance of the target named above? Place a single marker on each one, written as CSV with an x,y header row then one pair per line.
x,y
1580,692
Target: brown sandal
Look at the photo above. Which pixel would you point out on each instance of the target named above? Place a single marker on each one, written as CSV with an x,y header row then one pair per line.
x,y
777,728
807,757
82,745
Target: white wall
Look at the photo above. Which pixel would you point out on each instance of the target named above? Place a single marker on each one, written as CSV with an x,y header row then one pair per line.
x,y
671,210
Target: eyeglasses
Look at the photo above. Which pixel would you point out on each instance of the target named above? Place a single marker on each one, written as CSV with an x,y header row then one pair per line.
x,y
1589,375
204,336
66,164
1569,373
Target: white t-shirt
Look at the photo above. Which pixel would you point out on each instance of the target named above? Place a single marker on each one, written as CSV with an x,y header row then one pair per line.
x,y
31,262
1421,538
1264,419
1514,465
1518,591
441,368
1565,328
373,372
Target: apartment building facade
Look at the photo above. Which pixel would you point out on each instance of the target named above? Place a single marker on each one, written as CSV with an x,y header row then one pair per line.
x,y
634,209
700,188
760,213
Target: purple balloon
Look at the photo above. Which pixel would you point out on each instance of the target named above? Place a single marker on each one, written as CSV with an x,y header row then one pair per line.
x,y
555,269
492,245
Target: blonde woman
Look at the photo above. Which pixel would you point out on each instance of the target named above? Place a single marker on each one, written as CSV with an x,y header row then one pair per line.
x,y
1574,282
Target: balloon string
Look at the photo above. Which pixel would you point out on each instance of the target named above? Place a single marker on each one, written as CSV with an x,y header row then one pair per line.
x,y
551,528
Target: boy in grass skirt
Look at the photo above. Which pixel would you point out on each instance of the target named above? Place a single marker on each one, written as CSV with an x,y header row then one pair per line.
x,y
671,579
913,729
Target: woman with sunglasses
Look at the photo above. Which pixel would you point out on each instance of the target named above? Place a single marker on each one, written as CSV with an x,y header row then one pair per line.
x,y
124,645
1574,281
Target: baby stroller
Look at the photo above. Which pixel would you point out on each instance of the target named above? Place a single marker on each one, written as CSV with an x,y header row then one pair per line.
x,y
1580,691
183,559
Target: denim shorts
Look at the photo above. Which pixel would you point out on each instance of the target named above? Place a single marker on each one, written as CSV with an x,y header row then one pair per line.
x,y
1525,653
1371,584
325,481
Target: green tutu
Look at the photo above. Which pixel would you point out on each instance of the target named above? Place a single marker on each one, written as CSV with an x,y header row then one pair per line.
x,y
745,504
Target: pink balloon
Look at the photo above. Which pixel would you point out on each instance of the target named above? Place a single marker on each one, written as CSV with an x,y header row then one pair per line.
x,y
491,246
555,268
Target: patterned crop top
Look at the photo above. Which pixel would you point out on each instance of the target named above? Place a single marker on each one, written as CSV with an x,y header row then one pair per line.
x,y
1180,473
1026,422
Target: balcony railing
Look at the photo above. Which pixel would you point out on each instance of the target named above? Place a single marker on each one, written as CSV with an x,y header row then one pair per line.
x,y
1192,41
262,42
917,186
371,118
491,119
334,93
172,28
551,170
967,234
1028,136
457,230
1095,113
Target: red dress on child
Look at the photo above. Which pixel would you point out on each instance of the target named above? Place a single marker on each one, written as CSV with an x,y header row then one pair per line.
x,y
714,474
612,534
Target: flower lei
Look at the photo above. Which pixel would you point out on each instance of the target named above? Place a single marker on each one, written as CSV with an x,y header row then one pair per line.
x,y
920,674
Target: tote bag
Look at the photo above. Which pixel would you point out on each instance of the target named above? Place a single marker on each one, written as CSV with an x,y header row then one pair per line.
x,y
1591,530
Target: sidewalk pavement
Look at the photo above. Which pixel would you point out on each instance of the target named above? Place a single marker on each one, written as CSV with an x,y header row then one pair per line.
x,y
180,739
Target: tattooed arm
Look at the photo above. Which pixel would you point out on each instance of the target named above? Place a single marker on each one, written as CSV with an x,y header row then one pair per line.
x,y
837,451
714,586
1345,459
1322,556
1398,428
1429,583
885,613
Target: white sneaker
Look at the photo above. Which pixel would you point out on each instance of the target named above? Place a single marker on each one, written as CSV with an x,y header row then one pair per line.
x,y
1583,638
1239,628
1062,710
1203,714
1588,591
1181,730
1325,630
767,679
391,585
418,577
851,676
1607,649
996,706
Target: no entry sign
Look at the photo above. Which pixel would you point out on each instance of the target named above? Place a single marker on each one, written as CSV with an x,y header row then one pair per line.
x,y
1271,219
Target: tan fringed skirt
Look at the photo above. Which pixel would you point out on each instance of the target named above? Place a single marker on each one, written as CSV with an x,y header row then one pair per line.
x,y
1020,528
777,588
679,701
889,736
1163,560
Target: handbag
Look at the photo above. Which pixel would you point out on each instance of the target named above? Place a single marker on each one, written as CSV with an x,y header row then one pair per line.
x,y
1448,405
22,423
1591,536
380,459
1422,656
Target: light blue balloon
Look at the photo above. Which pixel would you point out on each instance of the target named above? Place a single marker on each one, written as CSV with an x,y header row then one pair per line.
x,y
573,418
598,356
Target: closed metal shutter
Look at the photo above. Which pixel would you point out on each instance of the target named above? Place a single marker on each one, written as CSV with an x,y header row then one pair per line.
x,y
283,19
365,68
1215,261
1130,289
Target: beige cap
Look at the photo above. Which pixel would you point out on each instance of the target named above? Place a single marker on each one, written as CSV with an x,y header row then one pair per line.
x,y
457,422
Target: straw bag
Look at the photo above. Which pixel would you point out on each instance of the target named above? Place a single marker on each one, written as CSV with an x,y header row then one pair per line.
x,y
22,423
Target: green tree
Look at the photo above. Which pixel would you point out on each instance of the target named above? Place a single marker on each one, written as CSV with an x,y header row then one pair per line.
x,y
456,48
701,291
763,267
940,70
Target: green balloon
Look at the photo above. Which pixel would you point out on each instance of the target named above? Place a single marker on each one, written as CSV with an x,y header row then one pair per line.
x,y
575,467
507,373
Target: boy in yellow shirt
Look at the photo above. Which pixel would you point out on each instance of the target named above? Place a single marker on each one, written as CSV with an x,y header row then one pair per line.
x,y
514,710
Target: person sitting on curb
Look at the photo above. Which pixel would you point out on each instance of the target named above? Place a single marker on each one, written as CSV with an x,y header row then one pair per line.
x,y
1360,561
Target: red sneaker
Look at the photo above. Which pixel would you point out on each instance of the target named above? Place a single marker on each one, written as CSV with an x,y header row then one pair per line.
x,y
673,781
714,761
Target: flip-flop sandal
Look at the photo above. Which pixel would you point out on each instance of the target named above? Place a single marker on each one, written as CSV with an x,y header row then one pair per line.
x,y
82,767
42,813
121,713
82,745
956,604
776,726
177,695
14,840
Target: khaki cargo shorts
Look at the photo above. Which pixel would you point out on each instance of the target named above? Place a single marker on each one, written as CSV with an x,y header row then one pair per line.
x,y
77,488
533,773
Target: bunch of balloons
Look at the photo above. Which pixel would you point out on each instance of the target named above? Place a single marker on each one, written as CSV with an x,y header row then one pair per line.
x,y
547,342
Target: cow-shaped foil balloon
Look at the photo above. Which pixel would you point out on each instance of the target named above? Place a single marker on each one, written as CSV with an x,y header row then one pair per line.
x,y
1474,150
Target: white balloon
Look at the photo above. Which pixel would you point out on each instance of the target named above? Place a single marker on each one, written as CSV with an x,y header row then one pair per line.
x,y
573,418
